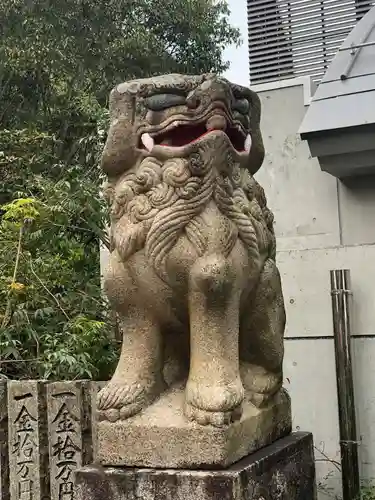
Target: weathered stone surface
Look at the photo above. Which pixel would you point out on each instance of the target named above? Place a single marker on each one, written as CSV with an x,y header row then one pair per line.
x,y
28,446
69,430
192,274
162,437
284,470
4,458
95,387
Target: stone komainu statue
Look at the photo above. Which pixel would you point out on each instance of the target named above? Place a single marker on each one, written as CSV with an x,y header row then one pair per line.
x,y
192,273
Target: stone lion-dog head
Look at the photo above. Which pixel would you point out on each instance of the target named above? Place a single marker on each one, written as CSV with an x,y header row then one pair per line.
x,y
162,171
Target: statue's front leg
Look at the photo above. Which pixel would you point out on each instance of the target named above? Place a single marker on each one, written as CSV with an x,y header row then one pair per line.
x,y
214,391
138,379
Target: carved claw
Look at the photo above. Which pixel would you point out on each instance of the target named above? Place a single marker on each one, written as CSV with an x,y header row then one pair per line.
x,y
215,418
261,386
215,398
211,405
260,400
115,414
120,401
116,395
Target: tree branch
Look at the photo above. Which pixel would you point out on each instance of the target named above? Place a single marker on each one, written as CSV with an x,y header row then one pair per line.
x,y
48,291
8,310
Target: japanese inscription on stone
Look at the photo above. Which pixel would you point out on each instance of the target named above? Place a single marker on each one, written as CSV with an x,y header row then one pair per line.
x,y
24,447
65,419
27,465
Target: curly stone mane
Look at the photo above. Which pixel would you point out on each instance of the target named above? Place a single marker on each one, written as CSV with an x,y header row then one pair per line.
x,y
154,204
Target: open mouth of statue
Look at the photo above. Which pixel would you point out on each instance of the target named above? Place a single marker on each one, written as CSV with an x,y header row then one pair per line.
x,y
180,134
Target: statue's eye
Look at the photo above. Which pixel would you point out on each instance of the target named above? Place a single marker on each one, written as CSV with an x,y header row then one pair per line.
x,y
242,105
159,102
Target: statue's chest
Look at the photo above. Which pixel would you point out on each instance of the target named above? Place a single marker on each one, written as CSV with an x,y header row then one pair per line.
x,y
220,232
209,232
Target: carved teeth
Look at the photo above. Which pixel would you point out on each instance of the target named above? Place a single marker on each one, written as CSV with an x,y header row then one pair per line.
x,y
147,141
216,122
248,143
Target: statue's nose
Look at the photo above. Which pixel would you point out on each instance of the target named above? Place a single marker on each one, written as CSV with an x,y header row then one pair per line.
x,y
212,90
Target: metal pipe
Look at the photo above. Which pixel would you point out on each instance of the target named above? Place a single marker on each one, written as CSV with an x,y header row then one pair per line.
x,y
354,52
356,46
341,296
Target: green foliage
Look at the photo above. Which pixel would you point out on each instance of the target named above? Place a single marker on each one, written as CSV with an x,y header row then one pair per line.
x,y
58,62
60,58
367,491
54,323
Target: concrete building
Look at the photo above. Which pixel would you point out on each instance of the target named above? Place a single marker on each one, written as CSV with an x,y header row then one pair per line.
x,y
323,222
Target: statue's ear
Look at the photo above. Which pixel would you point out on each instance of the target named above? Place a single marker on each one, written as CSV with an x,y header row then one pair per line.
x,y
257,150
119,152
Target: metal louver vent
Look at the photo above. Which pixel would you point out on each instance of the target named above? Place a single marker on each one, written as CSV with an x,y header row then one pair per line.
x,y
290,38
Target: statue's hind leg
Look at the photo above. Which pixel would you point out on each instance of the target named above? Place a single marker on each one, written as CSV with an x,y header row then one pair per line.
x,y
261,337
137,380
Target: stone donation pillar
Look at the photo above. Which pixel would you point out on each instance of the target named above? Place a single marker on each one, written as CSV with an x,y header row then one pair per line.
x,y
195,409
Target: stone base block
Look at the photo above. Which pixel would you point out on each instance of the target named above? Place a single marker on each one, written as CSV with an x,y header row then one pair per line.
x,y
162,437
285,470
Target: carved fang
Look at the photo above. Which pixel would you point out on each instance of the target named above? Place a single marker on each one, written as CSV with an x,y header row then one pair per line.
x,y
148,142
248,143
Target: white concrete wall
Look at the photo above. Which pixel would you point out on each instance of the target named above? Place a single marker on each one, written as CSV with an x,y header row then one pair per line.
x,y
321,224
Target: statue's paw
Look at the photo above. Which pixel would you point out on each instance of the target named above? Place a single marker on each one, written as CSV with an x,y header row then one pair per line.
x,y
215,418
118,401
261,385
259,400
214,397
115,414
263,399
214,404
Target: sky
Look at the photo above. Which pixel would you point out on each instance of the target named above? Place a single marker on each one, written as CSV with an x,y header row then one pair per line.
x,y
239,58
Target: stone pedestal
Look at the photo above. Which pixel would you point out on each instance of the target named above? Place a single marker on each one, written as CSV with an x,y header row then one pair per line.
x,y
284,470
162,437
